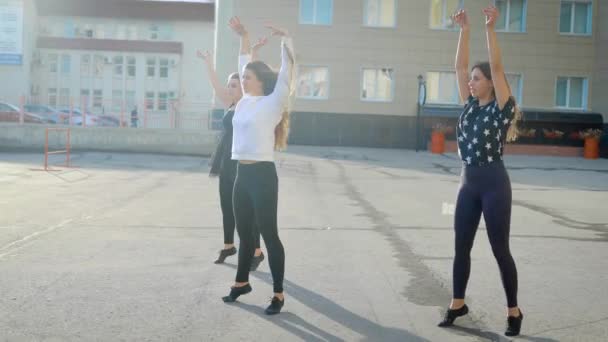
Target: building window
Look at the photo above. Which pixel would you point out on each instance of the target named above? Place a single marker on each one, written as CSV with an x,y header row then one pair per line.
x,y
377,84
65,64
163,71
132,32
52,60
52,97
160,32
117,100
68,29
131,66
118,66
98,67
85,65
130,99
571,92
97,98
441,12
516,84
512,15
151,66
150,100
575,17
313,82
316,12
441,87
64,97
100,32
85,97
162,100
379,13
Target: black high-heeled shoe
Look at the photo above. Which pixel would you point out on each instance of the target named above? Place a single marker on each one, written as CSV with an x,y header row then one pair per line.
x,y
235,292
224,253
514,324
451,315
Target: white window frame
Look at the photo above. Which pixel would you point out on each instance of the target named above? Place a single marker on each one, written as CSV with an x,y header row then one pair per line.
x,y
314,11
148,66
131,65
585,92
458,100
52,94
53,61
117,102
85,71
445,17
97,98
162,104
64,97
328,82
519,96
524,18
361,73
149,103
572,15
116,66
161,67
365,14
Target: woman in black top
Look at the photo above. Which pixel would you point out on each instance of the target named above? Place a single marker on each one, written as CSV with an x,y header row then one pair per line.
x,y
222,164
489,119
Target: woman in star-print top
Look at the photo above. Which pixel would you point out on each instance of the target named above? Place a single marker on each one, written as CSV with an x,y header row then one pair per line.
x,y
489,119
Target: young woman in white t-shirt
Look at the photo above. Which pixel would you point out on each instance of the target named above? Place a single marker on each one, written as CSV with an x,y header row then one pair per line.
x,y
260,126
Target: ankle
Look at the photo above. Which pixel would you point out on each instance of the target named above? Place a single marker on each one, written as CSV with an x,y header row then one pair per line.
x,y
280,296
228,246
237,284
457,304
513,312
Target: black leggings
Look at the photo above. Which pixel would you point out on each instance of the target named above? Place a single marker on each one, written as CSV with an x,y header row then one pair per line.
x,y
255,199
487,190
227,178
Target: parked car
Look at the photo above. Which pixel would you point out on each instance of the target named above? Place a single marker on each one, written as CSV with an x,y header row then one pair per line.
x,y
77,117
47,112
11,113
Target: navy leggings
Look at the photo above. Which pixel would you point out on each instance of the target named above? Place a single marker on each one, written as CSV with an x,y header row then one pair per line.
x,y
256,191
484,189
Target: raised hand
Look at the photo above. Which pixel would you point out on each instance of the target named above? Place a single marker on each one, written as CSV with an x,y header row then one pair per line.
x,y
277,31
492,15
260,43
461,18
206,56
236,26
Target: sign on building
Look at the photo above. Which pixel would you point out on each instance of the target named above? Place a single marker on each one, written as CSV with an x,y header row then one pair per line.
x,y
11,32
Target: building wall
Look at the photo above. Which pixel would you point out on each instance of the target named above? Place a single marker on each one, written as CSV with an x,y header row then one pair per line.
x,y
412,48
600,73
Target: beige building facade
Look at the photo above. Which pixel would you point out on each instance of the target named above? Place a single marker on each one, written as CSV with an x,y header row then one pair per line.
x,y
363,57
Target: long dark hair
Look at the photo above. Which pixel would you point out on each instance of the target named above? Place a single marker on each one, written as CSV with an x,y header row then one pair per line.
x,y
516,124
268,77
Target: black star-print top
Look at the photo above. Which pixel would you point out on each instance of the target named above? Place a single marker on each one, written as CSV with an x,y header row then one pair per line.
x,y
482,131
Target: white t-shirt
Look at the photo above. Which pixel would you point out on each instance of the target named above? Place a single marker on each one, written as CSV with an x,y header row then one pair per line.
x,y
256,117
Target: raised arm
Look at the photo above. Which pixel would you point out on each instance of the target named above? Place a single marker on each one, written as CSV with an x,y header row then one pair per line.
x,y
501,87
282,88
220,89
257,46
245,49
462,54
